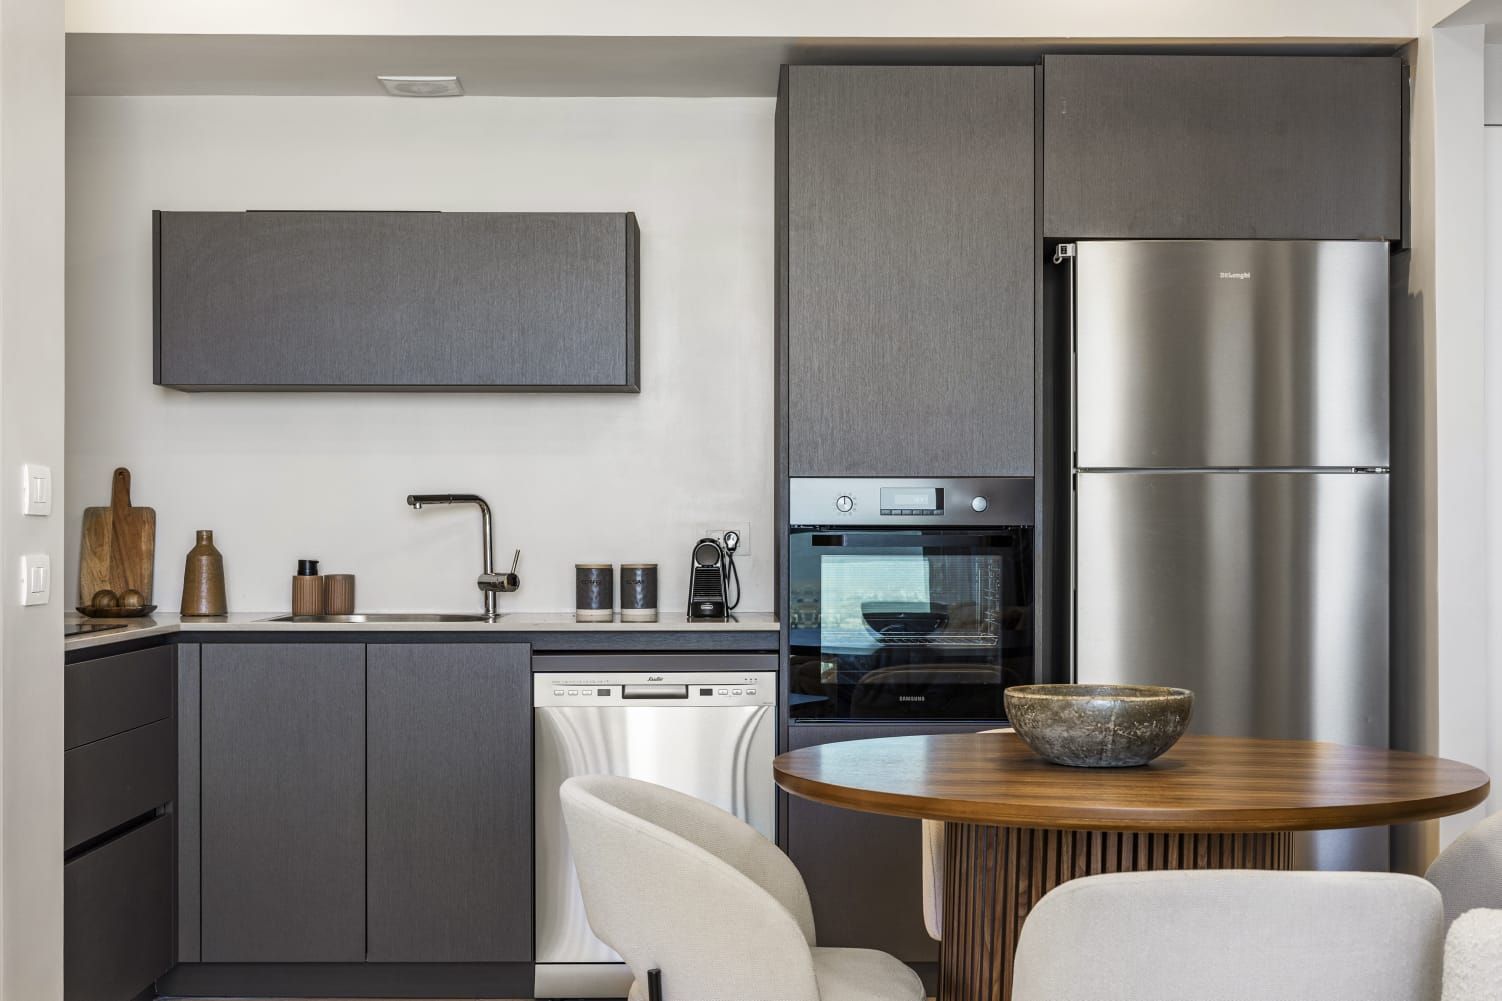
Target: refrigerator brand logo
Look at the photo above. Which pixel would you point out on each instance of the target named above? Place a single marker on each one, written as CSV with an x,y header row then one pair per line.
x,y
1238,275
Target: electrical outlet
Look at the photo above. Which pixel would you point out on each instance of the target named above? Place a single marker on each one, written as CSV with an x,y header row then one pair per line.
x,y
718,532
745,557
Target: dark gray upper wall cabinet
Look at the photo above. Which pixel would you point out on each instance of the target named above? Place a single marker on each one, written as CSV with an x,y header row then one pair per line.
x,y
905,198
1222,147
396,300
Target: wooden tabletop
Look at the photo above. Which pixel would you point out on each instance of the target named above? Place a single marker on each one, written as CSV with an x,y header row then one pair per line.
x,y
1222,784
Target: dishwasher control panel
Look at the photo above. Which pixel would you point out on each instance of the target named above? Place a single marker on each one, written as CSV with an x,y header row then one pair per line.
x,y
664,688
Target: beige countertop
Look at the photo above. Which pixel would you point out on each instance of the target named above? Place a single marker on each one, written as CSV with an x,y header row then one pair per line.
x,y
163,624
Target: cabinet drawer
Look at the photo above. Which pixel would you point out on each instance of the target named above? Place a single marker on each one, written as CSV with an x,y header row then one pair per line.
x,y
114,694
110,781
117,916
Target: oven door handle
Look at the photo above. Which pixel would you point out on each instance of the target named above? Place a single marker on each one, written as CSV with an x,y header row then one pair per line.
x,y
901,540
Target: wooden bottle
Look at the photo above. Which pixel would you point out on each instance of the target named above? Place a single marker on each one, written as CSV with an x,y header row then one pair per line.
x,y
203,578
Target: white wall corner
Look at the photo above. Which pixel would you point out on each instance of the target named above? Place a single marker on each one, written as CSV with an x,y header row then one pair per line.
x,y
1463,529
31,430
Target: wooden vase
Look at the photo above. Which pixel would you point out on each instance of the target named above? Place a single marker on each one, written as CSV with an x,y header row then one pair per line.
x,y
203,578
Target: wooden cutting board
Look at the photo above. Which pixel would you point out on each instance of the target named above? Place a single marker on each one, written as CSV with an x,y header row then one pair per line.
x,y
119,545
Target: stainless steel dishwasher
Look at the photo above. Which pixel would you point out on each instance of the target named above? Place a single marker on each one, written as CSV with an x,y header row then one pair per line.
x,y
709,733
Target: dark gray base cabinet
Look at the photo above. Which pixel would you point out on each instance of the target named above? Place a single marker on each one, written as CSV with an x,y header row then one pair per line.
x,y
449,803
397,300
905,269
283,794
1222,147
119,778
864,871
363,803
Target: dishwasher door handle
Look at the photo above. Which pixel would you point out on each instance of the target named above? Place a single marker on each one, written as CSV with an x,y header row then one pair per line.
x,y
654,691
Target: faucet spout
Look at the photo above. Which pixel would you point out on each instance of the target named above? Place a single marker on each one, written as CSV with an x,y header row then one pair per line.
x,y
488,574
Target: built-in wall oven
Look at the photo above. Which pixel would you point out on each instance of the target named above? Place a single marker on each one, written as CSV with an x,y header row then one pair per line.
x,y
909,600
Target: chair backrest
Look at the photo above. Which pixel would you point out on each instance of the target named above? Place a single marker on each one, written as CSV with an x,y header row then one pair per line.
x,y
1473,956
1469,872
673,883
933,869
1233,935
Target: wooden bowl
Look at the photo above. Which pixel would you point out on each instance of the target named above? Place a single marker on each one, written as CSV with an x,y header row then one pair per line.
x,y
118,612
1099,726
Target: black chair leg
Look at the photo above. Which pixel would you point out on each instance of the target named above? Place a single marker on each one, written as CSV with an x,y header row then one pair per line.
x,y
654,985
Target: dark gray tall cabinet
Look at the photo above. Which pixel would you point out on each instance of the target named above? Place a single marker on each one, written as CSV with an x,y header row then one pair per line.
x,y
283,802
906,269
906,290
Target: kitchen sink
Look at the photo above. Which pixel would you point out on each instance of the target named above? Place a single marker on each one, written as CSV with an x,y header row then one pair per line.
x,y
397,617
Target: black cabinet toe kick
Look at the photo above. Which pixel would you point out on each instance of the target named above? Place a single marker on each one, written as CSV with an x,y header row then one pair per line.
x,y
348,980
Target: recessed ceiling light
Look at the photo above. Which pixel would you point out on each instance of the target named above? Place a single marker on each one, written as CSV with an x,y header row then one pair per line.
x,y
422,86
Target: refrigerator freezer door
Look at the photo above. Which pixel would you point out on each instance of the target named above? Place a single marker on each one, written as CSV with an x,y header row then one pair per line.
x,y
1231,354
1264,593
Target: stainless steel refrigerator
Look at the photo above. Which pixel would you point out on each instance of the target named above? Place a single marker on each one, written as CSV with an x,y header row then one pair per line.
x,y
1231,490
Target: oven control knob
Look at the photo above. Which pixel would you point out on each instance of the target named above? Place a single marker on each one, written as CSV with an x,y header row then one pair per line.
x,y
844,503
979,504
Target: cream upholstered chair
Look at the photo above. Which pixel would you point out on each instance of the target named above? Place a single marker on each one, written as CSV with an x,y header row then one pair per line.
x,y
933,869
1473,956
1233,935
676,885
1469,872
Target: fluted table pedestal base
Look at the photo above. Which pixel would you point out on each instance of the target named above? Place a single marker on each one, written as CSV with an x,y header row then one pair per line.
x,y
994,875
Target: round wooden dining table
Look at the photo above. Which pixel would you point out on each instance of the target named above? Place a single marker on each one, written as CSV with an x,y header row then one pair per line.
x,y
1017,826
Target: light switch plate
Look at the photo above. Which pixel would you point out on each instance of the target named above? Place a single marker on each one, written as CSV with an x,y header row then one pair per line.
x,y
36,482
36,579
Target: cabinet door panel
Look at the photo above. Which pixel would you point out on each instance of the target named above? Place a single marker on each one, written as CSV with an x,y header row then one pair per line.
x,y
864,871
450,802
1222,147
283,804
285,300
910,270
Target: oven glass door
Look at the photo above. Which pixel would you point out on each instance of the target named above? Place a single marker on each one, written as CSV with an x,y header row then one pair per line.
x,y
909,625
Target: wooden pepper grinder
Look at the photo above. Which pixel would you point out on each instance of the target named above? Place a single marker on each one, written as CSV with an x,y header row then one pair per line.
x,y
203,578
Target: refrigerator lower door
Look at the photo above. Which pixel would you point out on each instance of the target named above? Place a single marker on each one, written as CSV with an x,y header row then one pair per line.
x,y
1266,593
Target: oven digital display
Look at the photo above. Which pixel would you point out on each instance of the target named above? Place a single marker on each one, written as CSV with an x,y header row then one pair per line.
x,y
912,500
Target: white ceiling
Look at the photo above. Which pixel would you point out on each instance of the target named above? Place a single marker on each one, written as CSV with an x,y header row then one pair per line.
x,y
558,66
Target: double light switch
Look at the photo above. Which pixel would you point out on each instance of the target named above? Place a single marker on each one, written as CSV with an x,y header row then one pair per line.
x,y
36,568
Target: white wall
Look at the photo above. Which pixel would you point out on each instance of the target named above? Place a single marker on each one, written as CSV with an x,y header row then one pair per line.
x,y
1492,375
31,416
1493,72
831,18
572,478
1460,402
